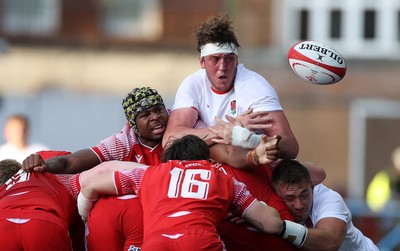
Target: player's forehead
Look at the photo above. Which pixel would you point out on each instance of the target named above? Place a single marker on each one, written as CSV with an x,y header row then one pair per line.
x,y
220,55
153,108
294,189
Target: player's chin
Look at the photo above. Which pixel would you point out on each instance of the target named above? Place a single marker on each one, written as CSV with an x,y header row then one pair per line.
x,y
300,217
158,132
223,85
298,213
158,129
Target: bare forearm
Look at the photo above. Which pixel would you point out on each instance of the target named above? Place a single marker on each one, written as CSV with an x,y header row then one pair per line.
x,y
74,163
176,132
92,186
328,234
321,240
317,173
289,148
234,156
264,218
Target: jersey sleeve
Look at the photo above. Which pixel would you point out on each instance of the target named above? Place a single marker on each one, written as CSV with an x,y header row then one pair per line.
x,y
129,181
242,198
117,146
71,183
200,124
328,204
189,93
256,91
264,97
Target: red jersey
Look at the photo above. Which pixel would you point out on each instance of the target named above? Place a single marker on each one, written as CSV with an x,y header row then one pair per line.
x,y
51,153
258,182
115,223
112,216
125,146
189,195
44,191
39,200
245,236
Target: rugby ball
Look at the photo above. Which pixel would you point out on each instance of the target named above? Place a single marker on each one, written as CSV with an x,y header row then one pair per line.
x,y
316,62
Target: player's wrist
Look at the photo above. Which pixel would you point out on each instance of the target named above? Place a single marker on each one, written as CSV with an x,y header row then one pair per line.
x,y
243,137
252,158
85,205
292,229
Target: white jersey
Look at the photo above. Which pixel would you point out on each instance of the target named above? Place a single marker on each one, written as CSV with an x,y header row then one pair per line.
x,y
328,203
250,90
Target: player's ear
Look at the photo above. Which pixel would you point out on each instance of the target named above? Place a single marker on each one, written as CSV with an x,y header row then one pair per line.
x,y
202,62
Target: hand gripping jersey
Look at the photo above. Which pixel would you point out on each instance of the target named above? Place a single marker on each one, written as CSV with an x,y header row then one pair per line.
x,y
123,231
37,210
183,203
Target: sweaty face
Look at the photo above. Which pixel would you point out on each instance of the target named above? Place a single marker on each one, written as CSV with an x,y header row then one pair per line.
x,y
220,69
298,198
151,124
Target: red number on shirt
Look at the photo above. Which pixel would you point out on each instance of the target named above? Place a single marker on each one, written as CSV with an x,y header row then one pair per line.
x,y
184,183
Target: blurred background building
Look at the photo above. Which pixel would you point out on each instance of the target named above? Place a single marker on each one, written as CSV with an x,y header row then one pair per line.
x,y
68,64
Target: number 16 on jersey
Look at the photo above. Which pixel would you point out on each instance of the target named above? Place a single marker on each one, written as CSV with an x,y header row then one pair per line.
x,y
184,183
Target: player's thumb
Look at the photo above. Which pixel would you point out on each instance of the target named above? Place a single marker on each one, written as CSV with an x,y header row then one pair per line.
x,y
40,168
276,139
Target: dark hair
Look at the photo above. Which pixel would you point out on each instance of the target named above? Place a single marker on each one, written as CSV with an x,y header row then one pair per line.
x,y
8,167
189,147
290,172
216,29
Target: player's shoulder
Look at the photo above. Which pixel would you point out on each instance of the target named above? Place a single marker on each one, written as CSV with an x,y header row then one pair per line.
x,y
246,78
323,193
194,77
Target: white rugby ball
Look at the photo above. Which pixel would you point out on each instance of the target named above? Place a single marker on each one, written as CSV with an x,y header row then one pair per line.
x,y
316,62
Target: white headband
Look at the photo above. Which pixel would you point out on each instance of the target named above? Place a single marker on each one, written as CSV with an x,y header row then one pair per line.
x,y
212,48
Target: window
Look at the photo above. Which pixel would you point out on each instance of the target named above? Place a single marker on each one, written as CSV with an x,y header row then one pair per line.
x,y
37,17
398,26
336,24
303,24
369,24
367,149
131,18
366,29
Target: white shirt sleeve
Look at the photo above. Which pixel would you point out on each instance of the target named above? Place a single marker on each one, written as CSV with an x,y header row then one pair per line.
x,y
328,203
189,93
254,91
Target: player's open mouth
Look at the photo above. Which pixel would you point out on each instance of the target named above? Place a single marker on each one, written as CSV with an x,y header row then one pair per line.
x,y
158,129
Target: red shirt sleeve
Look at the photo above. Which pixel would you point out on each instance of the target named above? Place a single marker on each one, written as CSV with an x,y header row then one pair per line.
x,y
242,197
129,181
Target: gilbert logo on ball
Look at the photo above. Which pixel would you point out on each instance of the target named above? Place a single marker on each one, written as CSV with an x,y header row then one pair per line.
x,y
316,62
